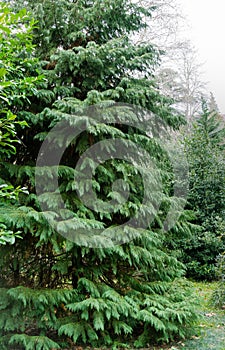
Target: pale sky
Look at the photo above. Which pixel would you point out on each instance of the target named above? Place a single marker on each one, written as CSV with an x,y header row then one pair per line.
x,y
207,32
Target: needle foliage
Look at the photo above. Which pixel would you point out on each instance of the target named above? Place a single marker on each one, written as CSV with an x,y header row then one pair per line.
x,y
56,291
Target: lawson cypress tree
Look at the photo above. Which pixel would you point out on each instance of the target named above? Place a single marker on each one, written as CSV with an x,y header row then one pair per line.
x,y
58,291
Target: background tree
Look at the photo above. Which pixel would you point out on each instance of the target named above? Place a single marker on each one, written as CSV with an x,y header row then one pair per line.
x,y
213,107
165,24
205,150
179,75
181,79
65,291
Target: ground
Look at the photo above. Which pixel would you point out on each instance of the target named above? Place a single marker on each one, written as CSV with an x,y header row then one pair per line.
x,y
211,325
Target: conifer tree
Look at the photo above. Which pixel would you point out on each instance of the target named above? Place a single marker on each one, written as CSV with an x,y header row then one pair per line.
x,y
57,291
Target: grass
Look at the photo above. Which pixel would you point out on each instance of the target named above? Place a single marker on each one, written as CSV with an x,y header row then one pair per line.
x,y
211,327
210,330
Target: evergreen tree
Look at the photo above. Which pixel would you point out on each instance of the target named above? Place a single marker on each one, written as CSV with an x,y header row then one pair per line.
x,y
57,291
213,107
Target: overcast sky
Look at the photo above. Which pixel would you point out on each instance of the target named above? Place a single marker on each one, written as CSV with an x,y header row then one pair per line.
x,y
207,32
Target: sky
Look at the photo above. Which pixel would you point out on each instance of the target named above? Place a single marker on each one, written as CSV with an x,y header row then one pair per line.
x,y
207,32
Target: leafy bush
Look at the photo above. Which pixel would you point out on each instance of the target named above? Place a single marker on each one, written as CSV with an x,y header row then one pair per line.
x,y
17,83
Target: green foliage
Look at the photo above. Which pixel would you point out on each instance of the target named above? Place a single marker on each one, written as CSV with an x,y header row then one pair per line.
x,y
102,314
31,310
205,151
17,83
16,78
7,236
57,290
34,342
